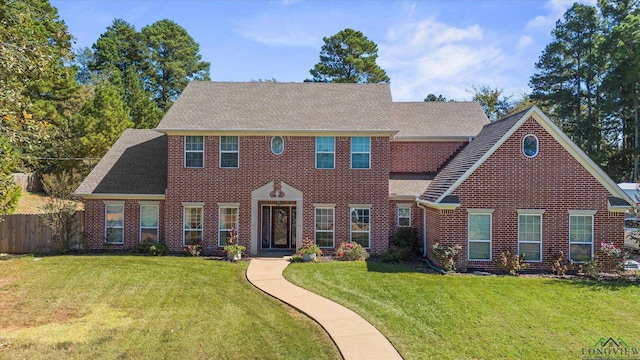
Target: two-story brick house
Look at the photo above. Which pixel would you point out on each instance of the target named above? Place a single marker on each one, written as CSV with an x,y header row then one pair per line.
x,y
343,162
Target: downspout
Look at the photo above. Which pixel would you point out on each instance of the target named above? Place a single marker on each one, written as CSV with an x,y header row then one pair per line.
x,y
424,226
424,239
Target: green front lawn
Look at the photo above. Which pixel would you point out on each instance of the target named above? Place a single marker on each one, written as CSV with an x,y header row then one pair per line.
x,y
463,317
134,307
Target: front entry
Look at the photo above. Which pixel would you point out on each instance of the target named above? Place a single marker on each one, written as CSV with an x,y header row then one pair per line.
x,y
278,227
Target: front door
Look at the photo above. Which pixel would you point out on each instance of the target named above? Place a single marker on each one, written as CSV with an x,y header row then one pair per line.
x,y
280,225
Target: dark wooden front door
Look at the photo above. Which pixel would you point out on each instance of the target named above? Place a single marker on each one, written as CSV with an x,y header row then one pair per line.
x,y
280,225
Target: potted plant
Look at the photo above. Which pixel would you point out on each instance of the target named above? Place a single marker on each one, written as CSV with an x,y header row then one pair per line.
x,y
233,249
309,250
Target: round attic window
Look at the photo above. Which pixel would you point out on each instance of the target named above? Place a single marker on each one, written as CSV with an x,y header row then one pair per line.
x,y
277,145
530,146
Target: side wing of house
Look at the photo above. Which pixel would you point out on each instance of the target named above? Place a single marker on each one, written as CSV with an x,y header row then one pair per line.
x,y
524,187
124,194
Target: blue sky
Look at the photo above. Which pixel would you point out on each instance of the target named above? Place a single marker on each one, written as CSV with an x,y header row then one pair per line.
x,y
441,47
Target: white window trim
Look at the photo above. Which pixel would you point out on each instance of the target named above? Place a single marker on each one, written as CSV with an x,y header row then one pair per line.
x,y
315,231
403,206
582,213
537,146
333,153
351,231
524,213
490,241
220,230
220,152
149,203
193,151
114,203
184,229
360,152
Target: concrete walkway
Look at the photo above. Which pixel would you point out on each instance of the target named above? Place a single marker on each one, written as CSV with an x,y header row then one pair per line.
x,y
354,336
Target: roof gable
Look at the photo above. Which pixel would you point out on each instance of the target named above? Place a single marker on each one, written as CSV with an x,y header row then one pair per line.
x,y
259,106
491,138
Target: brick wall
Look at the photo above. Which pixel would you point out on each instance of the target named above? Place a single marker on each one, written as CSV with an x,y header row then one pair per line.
x,y
296,166
416,218
507,181
411,157
95,223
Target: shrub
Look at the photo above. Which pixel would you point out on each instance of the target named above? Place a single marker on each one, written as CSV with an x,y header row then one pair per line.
x,y
511,263
195,249
589,269
559,266
296,258
395,254
152,248
309,247
351,252
407,238
158,249
445,256
619,255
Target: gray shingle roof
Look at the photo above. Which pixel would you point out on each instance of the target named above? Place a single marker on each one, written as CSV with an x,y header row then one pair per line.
x,y
438,119
407,187
135,164
205,105
489,136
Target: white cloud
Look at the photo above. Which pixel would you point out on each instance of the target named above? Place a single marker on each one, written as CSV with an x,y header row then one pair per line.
x,y
556,8
270,31
433,57
524,41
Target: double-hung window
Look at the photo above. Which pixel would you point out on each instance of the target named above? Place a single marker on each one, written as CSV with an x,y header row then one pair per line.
x,y
404,215
360,152
581,235
192,224
530,234
149,221
194,151
360,226
229,151
114,222
479,227
324,219
325,152
227,220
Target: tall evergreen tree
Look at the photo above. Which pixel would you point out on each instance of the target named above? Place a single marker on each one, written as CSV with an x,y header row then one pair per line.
x,y
568,78
171,60
102,120
348,57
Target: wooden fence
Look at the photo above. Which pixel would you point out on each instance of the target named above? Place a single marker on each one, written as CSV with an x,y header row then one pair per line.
x,y
28,182
27,234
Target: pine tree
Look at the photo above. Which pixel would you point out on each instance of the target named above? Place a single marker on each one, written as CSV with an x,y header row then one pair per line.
x,y
348,57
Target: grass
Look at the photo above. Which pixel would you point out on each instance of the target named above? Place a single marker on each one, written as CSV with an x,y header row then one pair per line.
x,y
465,317
33,203
135,307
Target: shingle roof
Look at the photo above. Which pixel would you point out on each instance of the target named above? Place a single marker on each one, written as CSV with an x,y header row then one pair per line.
x,y
407,187
135,164
205,105
438,119
489,136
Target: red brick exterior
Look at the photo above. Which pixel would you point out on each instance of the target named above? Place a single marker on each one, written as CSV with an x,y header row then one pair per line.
x,y
296,167
417,219
508,181
94,212
421,156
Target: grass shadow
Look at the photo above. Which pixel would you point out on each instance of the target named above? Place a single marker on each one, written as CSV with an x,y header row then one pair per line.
x,y
390,268
596,285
